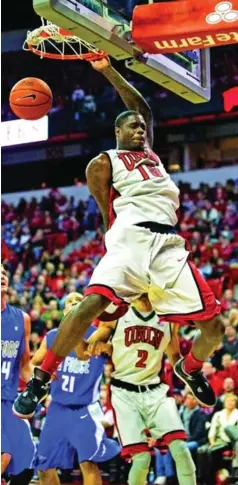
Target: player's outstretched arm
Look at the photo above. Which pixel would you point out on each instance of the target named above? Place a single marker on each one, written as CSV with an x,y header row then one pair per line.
x,y
129,95
103,332
95,345
173,349
26,369
99,176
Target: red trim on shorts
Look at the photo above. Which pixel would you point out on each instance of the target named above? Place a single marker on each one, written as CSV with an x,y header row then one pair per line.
x,y
104,290
210,306
114,194
171,436
133,449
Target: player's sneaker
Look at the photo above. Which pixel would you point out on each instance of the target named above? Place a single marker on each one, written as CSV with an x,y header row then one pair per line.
x,y
198,384
36,391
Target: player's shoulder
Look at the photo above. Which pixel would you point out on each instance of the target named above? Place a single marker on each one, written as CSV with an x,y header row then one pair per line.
x,y
99,168
15,310
52,332
103,158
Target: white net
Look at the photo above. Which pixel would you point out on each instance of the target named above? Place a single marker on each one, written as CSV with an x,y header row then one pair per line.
x,y
49,40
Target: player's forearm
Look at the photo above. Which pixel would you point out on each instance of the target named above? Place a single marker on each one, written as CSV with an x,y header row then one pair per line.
x,y
129,95
101,335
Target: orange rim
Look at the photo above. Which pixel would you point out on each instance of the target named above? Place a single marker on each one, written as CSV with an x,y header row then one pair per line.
x,y
88,56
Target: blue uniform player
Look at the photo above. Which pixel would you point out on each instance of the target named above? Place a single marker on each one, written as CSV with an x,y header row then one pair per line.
x,y
74,419
16,442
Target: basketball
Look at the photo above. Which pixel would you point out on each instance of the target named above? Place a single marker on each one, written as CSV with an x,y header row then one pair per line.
x,y
30,98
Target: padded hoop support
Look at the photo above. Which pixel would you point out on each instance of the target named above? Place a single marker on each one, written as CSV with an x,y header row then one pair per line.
x,y
185,25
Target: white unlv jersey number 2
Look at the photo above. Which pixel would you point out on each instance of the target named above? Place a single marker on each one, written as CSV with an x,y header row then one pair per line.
x,y
139,343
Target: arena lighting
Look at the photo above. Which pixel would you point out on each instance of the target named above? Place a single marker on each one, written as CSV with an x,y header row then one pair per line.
x,y
18,132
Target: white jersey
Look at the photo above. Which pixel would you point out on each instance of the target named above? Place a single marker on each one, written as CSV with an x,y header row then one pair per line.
x,y
139,342
141,189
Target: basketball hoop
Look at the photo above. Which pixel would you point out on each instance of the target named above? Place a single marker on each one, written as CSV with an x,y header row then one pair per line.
x,y
52,42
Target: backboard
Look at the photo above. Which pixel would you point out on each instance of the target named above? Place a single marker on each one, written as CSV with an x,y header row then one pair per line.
x,y
106,25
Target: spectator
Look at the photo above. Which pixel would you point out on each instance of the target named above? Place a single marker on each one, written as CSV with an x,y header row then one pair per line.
x,y
211,453
209,372
179,398
230,342
193,420
228,388
229,369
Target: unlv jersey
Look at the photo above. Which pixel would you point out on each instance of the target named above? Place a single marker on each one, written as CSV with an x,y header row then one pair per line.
x,y
139,342
141,189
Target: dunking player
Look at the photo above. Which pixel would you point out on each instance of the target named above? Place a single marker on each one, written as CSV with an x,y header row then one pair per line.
x,y
138,202
16,444
139,396
74,419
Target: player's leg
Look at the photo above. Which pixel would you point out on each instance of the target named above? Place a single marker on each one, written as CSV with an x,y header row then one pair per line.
x,y
91,473
180,294
165,423
139,468
185,467
120,275
131,430
48,477
5,460
205,342
71,331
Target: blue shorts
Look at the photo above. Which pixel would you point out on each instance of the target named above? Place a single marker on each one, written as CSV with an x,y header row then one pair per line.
x,y
69,431
16,440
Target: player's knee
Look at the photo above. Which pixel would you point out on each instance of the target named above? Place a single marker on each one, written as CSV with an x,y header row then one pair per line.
x,y
182,457
49,477
88,467
90,305
139,468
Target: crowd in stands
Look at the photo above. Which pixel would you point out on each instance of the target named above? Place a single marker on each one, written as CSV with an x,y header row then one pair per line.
x,y
84,96
42,272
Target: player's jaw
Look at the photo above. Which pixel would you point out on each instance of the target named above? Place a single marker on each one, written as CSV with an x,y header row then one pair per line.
x,y
134,142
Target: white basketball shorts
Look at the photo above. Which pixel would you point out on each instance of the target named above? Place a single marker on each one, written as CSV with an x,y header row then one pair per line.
x,y
140,261
136,413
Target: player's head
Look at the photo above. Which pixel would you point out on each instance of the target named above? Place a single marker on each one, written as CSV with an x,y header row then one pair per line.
x,y
130,130
4,280
72,299
143,304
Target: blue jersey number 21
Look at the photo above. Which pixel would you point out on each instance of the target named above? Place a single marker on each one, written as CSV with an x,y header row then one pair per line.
x,y
68,383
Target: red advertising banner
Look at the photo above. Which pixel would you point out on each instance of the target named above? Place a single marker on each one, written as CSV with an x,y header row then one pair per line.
x,y
185,25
